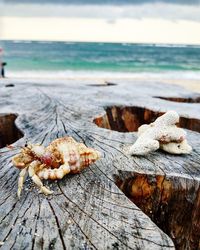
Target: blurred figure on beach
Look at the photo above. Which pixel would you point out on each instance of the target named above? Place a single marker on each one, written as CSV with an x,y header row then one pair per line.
x,y
2,64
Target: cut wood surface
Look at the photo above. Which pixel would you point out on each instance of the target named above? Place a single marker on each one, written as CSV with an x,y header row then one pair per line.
x,y
121,201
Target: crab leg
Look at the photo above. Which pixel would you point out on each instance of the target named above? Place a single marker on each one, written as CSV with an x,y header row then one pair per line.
x,y
36,179
21,181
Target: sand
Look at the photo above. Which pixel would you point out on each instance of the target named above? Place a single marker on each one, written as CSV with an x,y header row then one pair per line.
x,y
189,84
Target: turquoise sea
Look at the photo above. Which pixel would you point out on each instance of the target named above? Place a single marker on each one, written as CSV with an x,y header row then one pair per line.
x,y
65,59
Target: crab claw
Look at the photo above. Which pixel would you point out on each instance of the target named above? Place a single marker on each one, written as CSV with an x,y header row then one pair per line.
x,y
18,162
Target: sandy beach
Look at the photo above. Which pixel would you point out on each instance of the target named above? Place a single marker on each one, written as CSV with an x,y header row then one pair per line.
x,y
189,84
96,63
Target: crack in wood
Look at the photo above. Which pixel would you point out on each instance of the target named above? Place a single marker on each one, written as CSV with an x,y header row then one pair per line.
x,y
171,202
9,132
15,220
71,217
187,99
58,226
38,215
87,215
130,118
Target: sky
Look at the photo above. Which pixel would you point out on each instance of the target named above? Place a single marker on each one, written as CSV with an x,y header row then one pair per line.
x,y
136,21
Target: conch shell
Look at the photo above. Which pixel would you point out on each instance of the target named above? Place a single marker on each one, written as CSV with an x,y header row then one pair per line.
x,y
61,157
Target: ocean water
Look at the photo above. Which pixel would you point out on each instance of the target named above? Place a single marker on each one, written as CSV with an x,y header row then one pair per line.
x,y
69,60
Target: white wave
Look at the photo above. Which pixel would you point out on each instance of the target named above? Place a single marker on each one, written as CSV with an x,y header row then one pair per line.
x,y
43,42
123,44
68,74
167,45
17,41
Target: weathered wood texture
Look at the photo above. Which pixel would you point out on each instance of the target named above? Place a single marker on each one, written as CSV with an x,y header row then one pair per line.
x,y
89,210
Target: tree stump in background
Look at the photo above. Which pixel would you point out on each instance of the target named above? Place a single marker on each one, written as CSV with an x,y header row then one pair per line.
x,y
121,201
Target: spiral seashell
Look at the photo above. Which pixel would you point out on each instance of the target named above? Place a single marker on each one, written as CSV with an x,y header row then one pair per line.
x,y
61,157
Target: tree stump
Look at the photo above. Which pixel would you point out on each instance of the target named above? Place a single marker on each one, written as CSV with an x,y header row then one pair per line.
x,y
121,201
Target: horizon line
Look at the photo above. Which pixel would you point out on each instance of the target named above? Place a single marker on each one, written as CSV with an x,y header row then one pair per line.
x,y
102,42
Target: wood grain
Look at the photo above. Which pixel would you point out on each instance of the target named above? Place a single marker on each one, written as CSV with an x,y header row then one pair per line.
x,y
89,210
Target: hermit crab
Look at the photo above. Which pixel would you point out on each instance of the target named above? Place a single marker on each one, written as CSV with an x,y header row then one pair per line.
x,y
61,157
